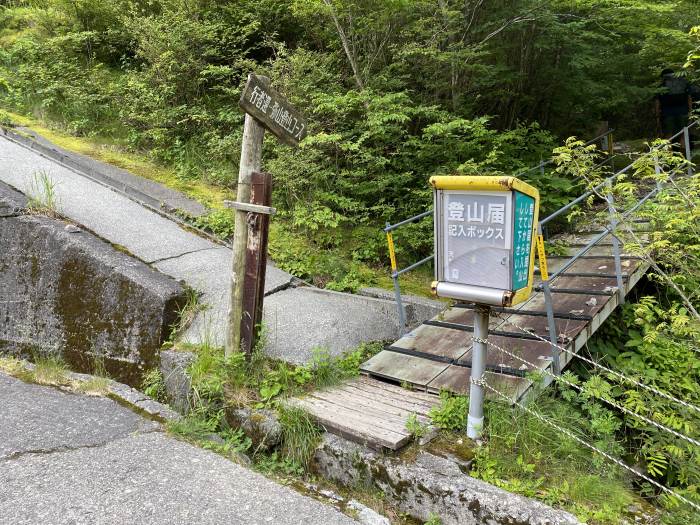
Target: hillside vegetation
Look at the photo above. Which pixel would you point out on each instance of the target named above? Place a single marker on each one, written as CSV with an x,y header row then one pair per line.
x,y
394,90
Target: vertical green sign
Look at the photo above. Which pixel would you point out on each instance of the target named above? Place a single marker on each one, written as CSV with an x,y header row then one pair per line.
x,y
522,238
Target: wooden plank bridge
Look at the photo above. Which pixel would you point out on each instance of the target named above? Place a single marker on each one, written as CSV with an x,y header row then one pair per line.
x,y
436,355
588,280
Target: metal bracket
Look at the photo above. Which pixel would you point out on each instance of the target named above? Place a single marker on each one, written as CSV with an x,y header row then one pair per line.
x,y
253,208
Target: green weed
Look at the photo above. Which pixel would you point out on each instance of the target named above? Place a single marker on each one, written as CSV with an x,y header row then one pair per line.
x,y
185,314
434,519
300,434
452,412
153,385
42,194
415,427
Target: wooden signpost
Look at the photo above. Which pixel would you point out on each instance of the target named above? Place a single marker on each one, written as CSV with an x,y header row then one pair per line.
x,y
265,109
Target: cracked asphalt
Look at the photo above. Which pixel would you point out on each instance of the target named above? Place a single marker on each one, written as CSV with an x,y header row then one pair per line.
x,y
74,459
298,319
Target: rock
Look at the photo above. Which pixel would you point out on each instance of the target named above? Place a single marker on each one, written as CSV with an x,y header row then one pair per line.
x,y
331,495
12,202
242,459
431,434
215,438
430,485
367,516
260,425
173,366
78,297
72,228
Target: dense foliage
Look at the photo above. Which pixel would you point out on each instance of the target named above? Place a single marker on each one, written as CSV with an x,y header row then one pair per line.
x,y
395,90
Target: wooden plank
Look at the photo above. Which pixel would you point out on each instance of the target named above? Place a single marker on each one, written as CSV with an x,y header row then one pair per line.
x,y
396,393
457,379
437,341
391,402
352,426
391,418
396,389
403,368
537,352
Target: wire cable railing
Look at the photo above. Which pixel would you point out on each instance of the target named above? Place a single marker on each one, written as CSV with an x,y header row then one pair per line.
x,y
390,228
589,446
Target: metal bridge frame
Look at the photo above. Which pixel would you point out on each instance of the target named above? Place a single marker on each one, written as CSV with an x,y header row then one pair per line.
x,y
615,217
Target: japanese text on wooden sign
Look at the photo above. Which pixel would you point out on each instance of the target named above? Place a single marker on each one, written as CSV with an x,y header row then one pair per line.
x,y
273,111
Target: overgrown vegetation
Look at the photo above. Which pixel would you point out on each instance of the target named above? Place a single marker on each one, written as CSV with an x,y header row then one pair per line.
x,y
42,198
51,370
222,383
394,92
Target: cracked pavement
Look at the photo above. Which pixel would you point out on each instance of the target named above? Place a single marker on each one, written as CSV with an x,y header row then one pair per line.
x,y
74,459
298,319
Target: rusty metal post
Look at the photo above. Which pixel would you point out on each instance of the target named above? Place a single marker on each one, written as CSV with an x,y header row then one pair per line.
x,y
255,261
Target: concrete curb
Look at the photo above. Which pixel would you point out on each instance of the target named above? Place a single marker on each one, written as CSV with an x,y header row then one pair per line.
x,y
431,485
122,394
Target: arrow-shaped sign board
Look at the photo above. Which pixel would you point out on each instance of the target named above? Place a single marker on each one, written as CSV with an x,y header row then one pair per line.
x,y
272,111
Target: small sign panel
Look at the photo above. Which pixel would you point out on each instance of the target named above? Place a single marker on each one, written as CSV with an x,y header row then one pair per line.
x,y
273,111
477,244
522,239
484,238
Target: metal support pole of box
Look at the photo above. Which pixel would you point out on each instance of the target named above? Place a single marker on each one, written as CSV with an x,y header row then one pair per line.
x,y
688,153
615,243
475,418
552,327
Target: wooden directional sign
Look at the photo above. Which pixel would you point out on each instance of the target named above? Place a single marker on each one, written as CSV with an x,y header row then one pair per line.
x,y
273,111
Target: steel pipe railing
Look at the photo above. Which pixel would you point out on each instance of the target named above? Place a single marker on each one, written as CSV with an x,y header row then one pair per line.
x,y
614,220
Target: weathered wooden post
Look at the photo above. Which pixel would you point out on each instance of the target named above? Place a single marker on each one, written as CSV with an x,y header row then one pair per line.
x,y
251,160
265,109
255,261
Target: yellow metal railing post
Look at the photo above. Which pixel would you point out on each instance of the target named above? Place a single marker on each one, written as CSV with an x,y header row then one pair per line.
x,y
395,278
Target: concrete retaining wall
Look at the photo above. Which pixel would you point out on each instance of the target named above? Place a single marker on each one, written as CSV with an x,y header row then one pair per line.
x,y
65,291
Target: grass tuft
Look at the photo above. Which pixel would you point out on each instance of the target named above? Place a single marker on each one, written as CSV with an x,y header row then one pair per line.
x,y
300,434
42,195
97,386
12,366
50,370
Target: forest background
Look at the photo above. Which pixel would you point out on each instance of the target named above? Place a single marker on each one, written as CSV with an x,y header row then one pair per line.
x,y
394,91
